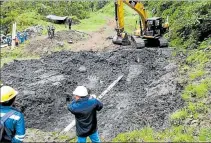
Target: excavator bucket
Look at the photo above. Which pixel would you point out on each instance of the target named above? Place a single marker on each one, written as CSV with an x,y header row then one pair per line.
x,y
122,39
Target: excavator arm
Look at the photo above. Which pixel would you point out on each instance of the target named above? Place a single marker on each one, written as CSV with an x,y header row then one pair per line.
x,y
150,31
119,13
119,16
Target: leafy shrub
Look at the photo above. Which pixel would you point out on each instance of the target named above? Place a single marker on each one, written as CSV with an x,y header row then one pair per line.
x,y
205,134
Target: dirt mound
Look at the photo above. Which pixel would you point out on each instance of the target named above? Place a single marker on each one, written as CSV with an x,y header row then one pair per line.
x,y
43,45
146,95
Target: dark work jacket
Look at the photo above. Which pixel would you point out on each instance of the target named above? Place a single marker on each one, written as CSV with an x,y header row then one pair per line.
x,y
85,111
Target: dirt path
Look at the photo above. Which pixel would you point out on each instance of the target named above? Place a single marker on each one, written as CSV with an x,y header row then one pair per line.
x,y
96,41
99,40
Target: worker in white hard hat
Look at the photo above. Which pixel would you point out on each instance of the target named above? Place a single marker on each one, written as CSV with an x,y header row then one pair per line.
x,y
12,121
85,107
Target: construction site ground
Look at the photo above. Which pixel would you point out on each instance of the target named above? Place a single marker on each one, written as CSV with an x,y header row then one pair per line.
x,y
145,96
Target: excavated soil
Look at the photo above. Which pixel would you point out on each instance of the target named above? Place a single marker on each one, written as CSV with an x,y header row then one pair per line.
x,y
43,44
146,95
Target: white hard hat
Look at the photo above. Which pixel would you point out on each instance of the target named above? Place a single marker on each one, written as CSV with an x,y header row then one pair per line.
x,y
80,91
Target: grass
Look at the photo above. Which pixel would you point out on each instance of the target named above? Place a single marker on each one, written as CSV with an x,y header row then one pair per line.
x,y
195,90
196,73
178,116
18,53
147,134
95,22
197,57
174,134
196,108
205,135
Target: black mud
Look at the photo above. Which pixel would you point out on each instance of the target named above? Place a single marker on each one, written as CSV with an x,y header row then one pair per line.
x,y
146,95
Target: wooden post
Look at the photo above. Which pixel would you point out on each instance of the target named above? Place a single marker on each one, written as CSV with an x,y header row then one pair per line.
x,y
13,35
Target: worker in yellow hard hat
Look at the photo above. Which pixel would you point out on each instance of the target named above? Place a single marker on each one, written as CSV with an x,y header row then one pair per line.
x,y
12,120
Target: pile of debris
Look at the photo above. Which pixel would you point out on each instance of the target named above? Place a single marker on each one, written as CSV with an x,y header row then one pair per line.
x,y
44,45
146,95
34,31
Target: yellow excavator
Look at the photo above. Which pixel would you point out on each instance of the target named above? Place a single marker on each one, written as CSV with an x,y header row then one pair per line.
x,y
150,31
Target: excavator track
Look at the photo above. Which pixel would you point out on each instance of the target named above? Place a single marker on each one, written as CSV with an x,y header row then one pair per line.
x,y
138,42
163,42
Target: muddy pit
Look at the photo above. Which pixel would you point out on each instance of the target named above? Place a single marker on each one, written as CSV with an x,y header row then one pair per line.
x,y
146,95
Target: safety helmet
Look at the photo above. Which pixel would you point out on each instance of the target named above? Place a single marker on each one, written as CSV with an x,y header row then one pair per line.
x,y
80,91
7,93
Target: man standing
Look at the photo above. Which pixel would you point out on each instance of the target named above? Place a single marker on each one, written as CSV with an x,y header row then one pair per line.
x,y
49,32
16,41
9,40
85,109
25,35
12,121
53,30
18,36
70,23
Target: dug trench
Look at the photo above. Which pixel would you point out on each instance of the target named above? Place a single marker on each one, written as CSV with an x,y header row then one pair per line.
x,y
145,96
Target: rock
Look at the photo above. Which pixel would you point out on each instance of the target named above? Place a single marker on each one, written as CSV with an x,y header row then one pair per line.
x,y
60,44
194,123
82,69
70,42
188,121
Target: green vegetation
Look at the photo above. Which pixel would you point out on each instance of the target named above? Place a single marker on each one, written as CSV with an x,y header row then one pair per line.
x,y
189,21
28,13
18,53
174,134
95,22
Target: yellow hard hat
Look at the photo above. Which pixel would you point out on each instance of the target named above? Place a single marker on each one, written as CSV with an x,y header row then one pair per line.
x,y
7,93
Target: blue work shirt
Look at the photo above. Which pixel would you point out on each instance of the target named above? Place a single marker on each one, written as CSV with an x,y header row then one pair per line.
x,y
85,111
14,123
25,36
19,36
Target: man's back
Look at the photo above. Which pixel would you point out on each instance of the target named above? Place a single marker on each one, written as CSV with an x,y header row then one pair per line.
x,y
84,110
14,123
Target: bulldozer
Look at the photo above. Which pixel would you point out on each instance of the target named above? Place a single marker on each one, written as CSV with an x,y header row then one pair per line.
x,y
149,32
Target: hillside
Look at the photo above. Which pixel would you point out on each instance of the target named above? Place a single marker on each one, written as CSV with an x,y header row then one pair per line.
x,y
189,22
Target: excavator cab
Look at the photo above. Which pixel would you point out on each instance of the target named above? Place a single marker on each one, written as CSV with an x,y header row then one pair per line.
x,y
154,27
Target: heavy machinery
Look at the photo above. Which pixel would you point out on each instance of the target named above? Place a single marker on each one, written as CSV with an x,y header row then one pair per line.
x,y
150,31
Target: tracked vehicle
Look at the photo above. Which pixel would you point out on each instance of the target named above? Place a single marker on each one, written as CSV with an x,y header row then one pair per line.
x,y
149,33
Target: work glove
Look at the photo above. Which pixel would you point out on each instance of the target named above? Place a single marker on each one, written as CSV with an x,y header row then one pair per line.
x,y
93,96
